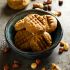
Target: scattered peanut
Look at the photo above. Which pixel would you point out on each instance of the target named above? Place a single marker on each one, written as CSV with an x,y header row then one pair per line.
x,y
65,45
6,50
15,65
45,7
55,67
38,9
49,7
38,61
32,0
61,43
44,68
61,49
60,2
6,67
56,13
33,65
47,2
38,5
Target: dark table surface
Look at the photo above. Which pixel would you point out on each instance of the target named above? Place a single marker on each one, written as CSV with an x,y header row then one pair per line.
x,y
62,60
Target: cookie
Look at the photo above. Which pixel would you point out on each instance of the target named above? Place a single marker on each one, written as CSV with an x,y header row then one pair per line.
x,y
22,39
33,24
19,25
17,4
41,42
51,23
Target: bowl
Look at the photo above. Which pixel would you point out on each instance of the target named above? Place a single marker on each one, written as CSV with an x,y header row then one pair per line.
x,y
10,32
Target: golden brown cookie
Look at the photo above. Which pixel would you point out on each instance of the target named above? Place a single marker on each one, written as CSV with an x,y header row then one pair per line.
x,y
22,39
33,24
41,42
19,25
17,4
51,23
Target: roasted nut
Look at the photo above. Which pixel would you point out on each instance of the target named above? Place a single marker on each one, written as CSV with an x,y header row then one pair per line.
x,y
38,9
44,68
32,0
55,67
38,5
33,65
45,7
56,13
15,65
49,7
66,47
61,43
6,50
38,61
47,2
60,2
61,49
6,67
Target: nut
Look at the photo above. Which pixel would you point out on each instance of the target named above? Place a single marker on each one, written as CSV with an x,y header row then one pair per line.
x,y
55,67
32,0
56,13
44,68
61,49
38,61
15,65
38,5
60,2
61,43
66,47
45,7
47,2
6,50
6,67
33,65
38,9
49,7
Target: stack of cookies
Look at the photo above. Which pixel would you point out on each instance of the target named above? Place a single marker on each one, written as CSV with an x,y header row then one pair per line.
x,y
33,32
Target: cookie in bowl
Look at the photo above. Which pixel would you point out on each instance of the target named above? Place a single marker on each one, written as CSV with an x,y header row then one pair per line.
x,y
10,33
51,22
41,42
22,39
32,23
33,32
35,23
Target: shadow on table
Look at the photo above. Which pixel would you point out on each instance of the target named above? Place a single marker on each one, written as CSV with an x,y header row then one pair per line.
x,y
9,57
25,63
8,11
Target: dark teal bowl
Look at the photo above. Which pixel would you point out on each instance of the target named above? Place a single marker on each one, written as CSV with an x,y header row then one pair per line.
x,y
10,32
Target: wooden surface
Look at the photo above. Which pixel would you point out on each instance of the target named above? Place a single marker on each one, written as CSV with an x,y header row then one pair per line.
x,y
62,60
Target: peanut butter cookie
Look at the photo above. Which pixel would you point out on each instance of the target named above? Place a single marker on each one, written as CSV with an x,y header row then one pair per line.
x,y
17,4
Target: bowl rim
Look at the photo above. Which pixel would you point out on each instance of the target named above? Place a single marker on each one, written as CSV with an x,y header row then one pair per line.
x,y
32,53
